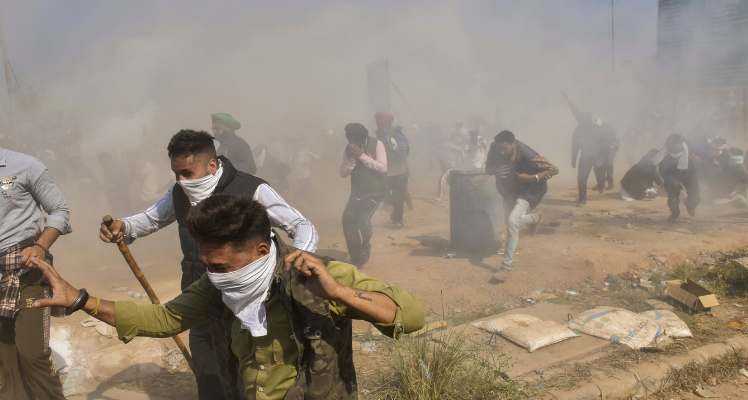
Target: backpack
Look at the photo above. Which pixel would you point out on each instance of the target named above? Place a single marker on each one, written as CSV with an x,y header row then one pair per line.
x,y
325,366
399,142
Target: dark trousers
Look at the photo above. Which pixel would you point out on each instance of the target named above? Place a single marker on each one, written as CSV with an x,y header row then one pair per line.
x,y
357,227
604,176
586,164
26,370
397,188
216,368
674,184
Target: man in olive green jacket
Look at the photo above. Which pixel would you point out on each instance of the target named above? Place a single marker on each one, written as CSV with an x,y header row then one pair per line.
x,y
291,311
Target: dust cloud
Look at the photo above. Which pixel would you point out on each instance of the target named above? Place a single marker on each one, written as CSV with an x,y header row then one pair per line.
x,y
106,85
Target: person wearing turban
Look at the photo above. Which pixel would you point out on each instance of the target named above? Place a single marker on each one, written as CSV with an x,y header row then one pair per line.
x,y
231,145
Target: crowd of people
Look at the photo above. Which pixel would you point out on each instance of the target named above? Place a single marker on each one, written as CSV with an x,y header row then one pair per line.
x,y
269,319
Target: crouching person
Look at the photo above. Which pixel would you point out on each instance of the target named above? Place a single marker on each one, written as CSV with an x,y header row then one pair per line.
x,y
291,311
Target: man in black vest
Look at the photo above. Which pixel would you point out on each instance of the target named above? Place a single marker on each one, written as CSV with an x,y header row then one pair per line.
x,y
200,173
365,161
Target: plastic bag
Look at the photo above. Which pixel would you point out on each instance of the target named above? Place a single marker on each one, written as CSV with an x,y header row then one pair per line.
x,y
673,326
618,326
527,331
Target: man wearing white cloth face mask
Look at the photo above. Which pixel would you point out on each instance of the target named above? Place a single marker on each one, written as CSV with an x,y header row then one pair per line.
x,y
199,174
291,311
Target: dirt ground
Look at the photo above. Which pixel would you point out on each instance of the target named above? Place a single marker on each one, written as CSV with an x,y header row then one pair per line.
x,y
575,247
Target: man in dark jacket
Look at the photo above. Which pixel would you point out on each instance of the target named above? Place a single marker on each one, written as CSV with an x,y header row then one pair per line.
x,y
398,149
604,167
594,145
365,161
678,171
200,174
640,181
521,179
232,146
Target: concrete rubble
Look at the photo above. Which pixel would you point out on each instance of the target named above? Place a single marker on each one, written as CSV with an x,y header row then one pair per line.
x,y
88,355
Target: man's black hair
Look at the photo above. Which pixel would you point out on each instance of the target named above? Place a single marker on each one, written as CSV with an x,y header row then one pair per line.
x,y
188,142
356,133
505,137
226,219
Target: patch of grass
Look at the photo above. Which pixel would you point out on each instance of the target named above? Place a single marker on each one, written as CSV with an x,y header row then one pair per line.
x,y
725,277
569,377
632,299
686,271
693,374
445,368
468,316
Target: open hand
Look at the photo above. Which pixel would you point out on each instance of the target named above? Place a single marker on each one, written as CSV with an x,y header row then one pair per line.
x,y
322,283
63,293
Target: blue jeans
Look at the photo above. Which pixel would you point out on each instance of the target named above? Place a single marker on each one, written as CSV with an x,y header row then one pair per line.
x,y
517,217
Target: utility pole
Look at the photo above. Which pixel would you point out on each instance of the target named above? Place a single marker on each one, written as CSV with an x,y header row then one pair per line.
x,y
613,35
8,83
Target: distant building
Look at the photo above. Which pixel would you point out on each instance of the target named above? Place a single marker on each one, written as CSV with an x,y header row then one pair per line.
x,y
702,53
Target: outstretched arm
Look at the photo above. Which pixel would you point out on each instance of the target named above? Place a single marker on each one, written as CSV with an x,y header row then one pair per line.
x,y
198,303
64,294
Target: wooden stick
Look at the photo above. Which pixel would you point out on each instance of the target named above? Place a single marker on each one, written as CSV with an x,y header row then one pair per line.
x,y
125,250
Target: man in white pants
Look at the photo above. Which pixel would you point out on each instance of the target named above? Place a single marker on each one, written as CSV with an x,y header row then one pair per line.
x,y
521,179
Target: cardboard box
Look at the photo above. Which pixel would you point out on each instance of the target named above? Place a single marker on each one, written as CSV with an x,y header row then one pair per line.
x,y
691,295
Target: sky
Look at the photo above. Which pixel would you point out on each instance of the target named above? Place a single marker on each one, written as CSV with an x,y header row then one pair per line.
x,y
43,35
285,67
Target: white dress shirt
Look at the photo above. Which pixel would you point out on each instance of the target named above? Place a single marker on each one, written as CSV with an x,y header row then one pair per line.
x,y
281,214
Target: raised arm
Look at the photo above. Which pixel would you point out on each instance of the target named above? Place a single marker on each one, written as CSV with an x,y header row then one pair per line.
x,y
578,114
